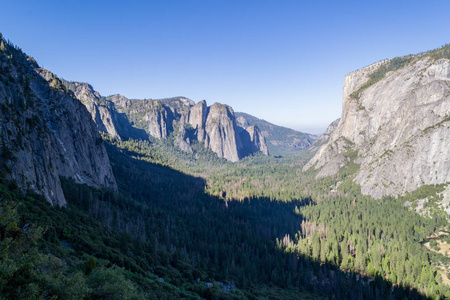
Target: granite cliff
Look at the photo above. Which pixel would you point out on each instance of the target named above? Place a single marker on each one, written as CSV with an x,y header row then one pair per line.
x,y
179,117
103,112
253,140
45,131
158,118
324,138
395,123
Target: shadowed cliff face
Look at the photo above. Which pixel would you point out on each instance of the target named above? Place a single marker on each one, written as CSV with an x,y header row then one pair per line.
x,y
253,140
45,131
104,113
280,140
396,115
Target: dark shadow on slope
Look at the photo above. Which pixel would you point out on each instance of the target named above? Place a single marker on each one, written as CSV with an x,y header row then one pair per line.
x,y
226,241
249,146
124,127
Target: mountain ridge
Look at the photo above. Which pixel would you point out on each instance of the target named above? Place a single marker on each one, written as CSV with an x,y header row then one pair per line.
x,y
45,132
215,125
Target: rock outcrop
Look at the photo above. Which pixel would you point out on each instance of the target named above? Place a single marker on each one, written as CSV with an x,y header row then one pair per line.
x,y
222,133
253,140
45,131
280,140
325,137
196,117
158,118
396,116
104,113
215,126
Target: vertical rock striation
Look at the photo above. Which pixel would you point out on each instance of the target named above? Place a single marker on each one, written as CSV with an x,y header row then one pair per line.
x,y
104,113
196,117
396,115
253,140
221,133
45,131
215,126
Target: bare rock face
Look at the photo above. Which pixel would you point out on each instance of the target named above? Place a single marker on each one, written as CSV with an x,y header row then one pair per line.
x,y
139,119
196,117
161,116
325,137
253,140
157,118
45,131
398,123
104,112
216,126
221,132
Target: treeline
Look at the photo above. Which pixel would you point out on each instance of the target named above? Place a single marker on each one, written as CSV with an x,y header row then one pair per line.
x,y
234,240
173,242
372,238
35,265
340,227
202,162
253,177
163,237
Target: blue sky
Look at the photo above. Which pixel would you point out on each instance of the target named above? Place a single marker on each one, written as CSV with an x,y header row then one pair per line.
x,y
283,61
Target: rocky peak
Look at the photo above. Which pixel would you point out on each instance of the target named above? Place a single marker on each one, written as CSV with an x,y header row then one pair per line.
x,y
216,126
120,101
159,118
196,117
197,114
222,133
396,116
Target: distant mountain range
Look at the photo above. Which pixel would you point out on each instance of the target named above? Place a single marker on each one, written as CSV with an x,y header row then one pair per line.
x,y
228,134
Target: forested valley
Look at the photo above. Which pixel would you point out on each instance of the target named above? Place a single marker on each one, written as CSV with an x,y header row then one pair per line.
x,y
117,198
189,226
